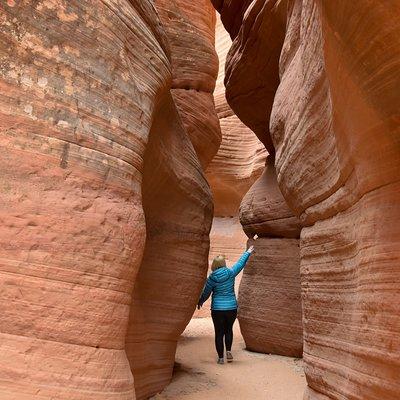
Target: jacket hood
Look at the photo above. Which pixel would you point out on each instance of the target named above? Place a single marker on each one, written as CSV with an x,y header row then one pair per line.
x,y
220,275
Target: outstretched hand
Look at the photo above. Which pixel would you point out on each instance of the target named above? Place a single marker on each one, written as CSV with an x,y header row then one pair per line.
x,y
250,249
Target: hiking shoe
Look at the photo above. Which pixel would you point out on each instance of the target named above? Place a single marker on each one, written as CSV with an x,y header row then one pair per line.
x,y
220,361
229,357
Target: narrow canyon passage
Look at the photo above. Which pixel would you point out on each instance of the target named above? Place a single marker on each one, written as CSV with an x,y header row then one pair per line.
x,y
139,139
253,376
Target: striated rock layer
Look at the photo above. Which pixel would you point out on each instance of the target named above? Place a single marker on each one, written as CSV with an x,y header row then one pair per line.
x,y
240,158
73,228
178,219
264,212
251,77
97,169
270,298
176,198
238,163
190,28
270,312
335,129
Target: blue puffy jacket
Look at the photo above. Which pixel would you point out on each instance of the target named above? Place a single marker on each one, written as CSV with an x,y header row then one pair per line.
x,y
221,283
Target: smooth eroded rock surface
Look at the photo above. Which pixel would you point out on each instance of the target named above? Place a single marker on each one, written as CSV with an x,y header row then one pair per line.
x,y
252,76
178,209
176,198
335,128
345,189
264,212
241,156
98,169
270,294
197,111
232,12
270,298
190,28
236,166
75,117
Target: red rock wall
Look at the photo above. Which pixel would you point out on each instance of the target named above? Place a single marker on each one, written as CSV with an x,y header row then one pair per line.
x,y
264,212
190,27
88,125
73,228
251,78
270,298
350,248
178,218
176,198
241,156
237,164
335,129
270,313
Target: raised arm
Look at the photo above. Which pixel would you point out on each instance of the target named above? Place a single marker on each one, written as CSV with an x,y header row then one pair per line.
x,y
208,287
239,265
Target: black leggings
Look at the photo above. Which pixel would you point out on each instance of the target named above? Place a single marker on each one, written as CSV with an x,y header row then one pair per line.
x,y
223,324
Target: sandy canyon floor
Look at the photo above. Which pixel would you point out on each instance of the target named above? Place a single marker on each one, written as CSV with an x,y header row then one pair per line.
x,y
251,376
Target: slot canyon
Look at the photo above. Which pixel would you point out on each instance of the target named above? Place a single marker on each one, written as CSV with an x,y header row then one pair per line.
x,y
142,138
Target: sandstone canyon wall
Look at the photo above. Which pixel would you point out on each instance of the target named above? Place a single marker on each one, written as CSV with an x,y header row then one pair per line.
x,y
270,303
92,146
190,28
178,214
175,256
238,163
241,157
334,125
270,297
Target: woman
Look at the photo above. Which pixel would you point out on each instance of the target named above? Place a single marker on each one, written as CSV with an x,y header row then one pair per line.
x,y
221,283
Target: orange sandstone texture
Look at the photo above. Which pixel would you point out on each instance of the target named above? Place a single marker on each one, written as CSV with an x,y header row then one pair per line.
x,y
350,248
241,156
200,121
73,228
335,129
171,276
176,197
190,28
270,298
93,153
264,212
232,12
270,295
238,163
251,76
